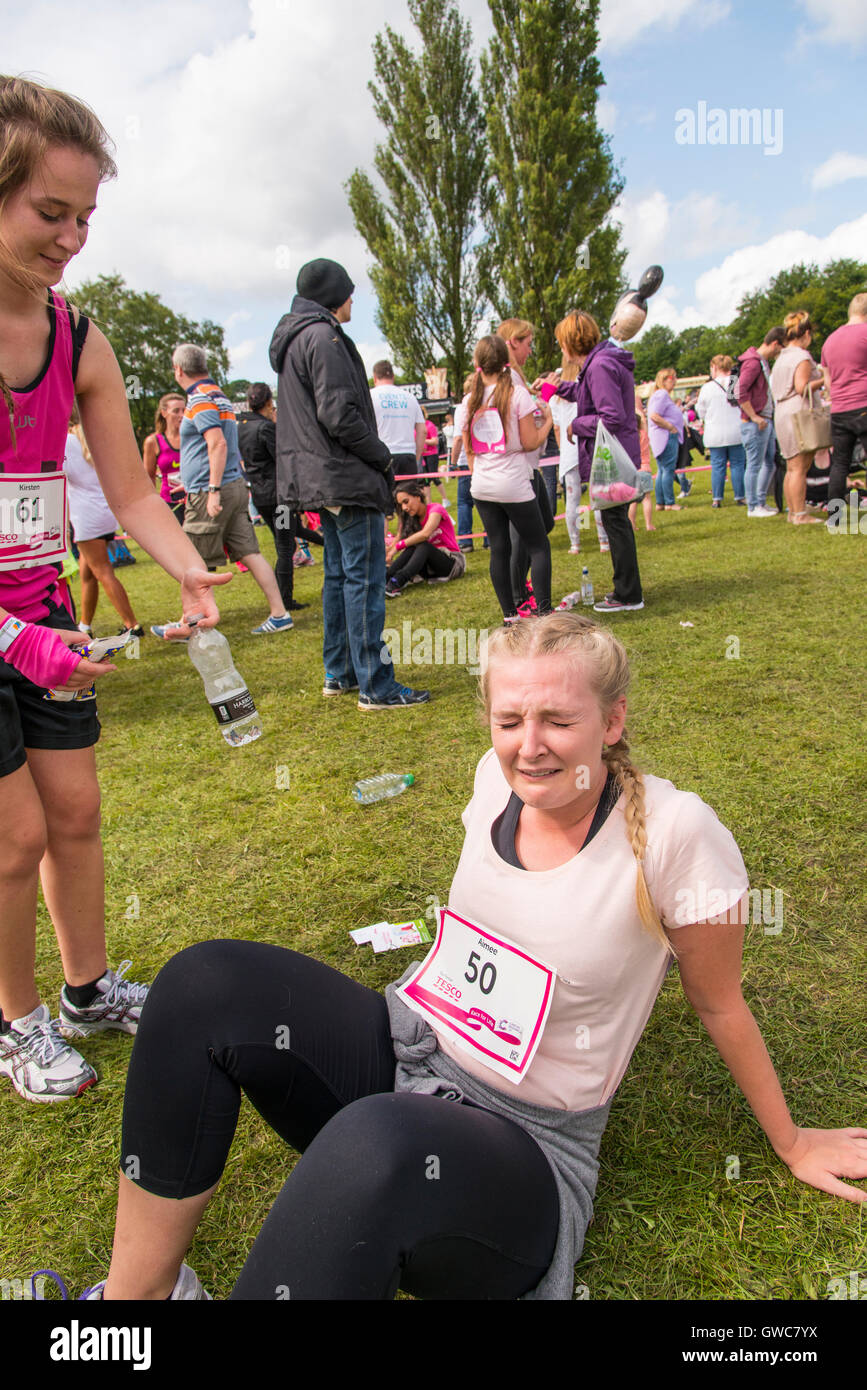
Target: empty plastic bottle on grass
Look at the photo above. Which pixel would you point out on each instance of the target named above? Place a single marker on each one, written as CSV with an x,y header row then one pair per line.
x,y
570,601
378,788
586,588
227,694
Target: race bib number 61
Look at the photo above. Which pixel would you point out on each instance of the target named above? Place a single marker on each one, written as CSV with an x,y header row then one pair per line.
x,y
491,997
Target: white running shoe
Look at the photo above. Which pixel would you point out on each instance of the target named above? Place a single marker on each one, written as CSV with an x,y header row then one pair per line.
x,y
119,1008
188,1289
40,1065
762,511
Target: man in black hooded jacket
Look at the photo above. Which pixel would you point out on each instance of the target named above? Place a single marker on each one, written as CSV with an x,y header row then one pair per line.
x,y
330,459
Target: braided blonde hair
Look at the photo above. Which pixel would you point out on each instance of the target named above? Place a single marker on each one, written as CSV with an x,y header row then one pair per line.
x,y
606,664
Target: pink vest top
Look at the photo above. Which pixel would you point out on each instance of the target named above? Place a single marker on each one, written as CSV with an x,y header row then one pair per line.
x,y
42,412
169,469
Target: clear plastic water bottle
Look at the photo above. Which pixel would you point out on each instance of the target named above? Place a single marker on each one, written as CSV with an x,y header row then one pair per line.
x,y
378,788
227,694
570,601
586,588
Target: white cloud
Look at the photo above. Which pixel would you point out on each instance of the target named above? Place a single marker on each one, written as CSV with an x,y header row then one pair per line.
x,y
697,224
621,22
242,352
718,291
606,114
373,352
839,21
838,169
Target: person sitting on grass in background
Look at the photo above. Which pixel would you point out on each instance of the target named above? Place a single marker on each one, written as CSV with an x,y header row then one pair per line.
x,y
588,885
426,546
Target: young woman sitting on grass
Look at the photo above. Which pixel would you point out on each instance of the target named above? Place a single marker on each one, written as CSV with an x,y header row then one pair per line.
x,y
426,546
563,916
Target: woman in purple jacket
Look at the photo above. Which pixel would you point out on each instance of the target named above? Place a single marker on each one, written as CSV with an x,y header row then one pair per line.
x,y
604,390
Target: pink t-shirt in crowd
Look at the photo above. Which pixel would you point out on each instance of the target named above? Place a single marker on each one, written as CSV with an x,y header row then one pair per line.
x,y
433,434
504,475
444,536
42,411
581,919
845,356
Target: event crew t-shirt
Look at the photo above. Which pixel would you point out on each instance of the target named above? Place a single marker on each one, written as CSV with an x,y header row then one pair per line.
x,y
581,918
502,470
845,356
207,409
397,414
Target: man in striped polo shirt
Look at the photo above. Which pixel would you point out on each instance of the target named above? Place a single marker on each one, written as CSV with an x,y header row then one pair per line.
x,y
216,516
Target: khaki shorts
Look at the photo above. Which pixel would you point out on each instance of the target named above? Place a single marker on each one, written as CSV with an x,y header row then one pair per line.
x,y
231,529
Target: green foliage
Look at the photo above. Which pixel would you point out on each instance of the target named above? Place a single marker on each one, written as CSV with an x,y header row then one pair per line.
x,y
421,235
551,180
144,332
825,294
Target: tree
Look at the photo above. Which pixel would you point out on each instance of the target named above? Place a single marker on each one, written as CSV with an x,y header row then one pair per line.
x,y
551,181
143,333
431,164
825,294
655,349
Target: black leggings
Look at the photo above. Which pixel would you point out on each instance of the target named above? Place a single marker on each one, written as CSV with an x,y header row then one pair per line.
x,y
424,559
393,1191
527,521
284,540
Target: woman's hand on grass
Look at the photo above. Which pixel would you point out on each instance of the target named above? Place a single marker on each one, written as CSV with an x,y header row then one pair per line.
x,y
821,1157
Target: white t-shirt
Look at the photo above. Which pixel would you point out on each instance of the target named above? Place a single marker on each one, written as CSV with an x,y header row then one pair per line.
x,y
460,421
88,510
564,413
582,919
397,414
504,472
722,422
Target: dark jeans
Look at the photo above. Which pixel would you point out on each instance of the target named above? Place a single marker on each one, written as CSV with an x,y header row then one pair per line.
x,y
847,428
527,520
353,601
284,538
393,1190
422,558
624,557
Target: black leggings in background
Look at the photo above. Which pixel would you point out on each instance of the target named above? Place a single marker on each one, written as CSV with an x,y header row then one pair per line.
x,y
393,1191
527,521
422,558
284,539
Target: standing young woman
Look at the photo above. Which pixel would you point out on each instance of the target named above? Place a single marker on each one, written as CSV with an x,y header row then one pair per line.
x,y
518,335
793,375
53,156
162,453
578,892
498,434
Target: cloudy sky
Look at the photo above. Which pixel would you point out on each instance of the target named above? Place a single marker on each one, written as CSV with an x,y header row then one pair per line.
x,y
236,126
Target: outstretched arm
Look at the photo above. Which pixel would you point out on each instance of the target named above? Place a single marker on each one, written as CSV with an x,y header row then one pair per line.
x,y
709,955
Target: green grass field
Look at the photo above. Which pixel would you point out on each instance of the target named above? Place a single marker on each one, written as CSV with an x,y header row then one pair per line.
x,y
212,843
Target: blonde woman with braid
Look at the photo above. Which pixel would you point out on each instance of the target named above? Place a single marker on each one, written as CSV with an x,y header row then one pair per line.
x,y
500,1053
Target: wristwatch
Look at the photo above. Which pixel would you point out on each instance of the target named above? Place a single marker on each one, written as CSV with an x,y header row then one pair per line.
x,y
213,489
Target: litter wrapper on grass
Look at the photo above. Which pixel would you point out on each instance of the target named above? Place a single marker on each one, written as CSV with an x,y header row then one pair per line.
x,y
390,936
614,479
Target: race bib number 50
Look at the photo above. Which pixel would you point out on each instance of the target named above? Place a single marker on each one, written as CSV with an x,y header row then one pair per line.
x,y
488,995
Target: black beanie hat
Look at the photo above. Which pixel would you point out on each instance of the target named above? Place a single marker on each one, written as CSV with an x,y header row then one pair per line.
x,y
325,282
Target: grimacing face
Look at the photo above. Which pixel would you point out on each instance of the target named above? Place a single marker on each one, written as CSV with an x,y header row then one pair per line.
x,y
546,726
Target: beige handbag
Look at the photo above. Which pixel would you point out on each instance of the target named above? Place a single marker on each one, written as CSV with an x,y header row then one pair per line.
x,y
812,425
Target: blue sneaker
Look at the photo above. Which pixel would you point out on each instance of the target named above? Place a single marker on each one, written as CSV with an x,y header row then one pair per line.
x,y
332,686
274,625
402,698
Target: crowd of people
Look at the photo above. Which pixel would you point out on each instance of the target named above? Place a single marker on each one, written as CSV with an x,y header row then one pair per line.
x,y
368,1087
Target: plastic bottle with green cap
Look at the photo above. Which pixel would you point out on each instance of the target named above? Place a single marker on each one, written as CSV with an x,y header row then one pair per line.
x,y
378,788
